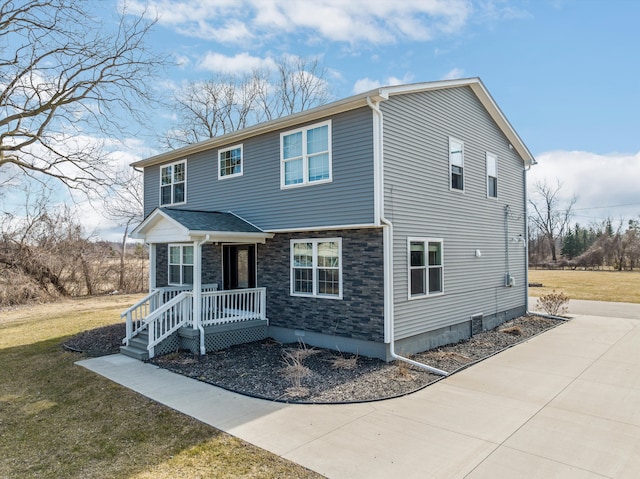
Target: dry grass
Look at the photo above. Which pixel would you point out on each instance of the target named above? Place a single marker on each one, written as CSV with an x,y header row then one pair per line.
x,y
513,331
619,286
60,420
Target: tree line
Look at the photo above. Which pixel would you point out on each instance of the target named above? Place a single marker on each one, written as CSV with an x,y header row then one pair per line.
x,y
555,242
45,254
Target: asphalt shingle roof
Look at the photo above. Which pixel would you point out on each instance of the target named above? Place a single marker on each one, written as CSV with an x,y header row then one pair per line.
x,y
210,221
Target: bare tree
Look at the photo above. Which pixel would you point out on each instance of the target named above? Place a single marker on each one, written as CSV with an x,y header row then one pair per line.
x,y
550,218
125,205
227,102
62,79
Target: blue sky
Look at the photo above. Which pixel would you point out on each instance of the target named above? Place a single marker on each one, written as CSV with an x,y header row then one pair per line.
x,y
564,72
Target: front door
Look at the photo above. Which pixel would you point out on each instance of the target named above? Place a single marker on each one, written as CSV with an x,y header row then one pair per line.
x,y
239,266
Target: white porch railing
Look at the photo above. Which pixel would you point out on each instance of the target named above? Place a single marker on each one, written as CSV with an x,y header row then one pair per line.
x,y
165,310
136,314
222,307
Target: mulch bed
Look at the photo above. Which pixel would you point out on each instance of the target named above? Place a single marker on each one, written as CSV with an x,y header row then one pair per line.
x,y
301,374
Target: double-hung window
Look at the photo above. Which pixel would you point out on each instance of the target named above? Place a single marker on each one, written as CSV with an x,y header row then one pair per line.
x,y
456,164
173,181
492,176
180,264
305,155
425,267
230,162
316,267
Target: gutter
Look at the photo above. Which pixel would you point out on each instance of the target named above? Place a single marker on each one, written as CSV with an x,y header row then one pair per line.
x,y
387,229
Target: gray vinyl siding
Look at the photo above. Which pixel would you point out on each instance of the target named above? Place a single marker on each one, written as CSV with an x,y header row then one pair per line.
x,y
419,203
256,195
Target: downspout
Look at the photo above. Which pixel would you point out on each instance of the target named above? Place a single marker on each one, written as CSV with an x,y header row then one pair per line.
x,y
387,231
197,295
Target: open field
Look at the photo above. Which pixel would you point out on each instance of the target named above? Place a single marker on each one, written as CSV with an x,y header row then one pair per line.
x,y
58,420
619,286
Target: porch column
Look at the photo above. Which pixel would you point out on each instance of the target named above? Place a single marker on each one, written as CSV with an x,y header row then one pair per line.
x,y
197,283
152,266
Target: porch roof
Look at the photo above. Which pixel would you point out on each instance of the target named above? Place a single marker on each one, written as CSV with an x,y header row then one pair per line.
x,y
173,225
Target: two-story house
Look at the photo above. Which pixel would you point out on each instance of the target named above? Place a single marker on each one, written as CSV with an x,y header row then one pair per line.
x,y
386,223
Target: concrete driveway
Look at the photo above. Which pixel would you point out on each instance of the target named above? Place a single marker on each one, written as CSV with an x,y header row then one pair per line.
x,y
563,404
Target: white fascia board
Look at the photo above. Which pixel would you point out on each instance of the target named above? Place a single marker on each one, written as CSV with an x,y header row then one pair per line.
x,y
150,222
325,228
232,236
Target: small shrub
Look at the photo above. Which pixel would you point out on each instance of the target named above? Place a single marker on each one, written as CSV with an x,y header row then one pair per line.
x,y
553,303
293,369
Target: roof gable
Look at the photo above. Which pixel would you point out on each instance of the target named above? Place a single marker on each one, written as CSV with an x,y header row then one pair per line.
x,y
350,103
176,225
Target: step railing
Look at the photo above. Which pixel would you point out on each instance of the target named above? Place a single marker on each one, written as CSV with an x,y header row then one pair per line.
x,y
168,318
136,314
230,306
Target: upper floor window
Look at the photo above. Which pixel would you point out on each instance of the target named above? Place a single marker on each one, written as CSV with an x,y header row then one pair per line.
x,y
230,162
456,164
173,179
305,155
316,267
425,267
180,264
492,175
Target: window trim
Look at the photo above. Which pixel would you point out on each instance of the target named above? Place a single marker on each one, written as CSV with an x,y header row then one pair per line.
x,y
233,175
172,184
305,156
451,165
495,164
181,264
426,241
315,268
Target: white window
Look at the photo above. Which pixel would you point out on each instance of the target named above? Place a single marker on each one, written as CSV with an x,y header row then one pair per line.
x,y
173,181
425,267
230,162
316,267
180,264
456,164
492,175
305,155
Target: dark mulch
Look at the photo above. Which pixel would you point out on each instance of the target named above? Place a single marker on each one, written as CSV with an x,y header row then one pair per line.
x,y
269,370
98,341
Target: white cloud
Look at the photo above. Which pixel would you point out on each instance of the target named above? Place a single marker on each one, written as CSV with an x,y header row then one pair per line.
x,y
453,74
240,63
366,84
356,21
606,185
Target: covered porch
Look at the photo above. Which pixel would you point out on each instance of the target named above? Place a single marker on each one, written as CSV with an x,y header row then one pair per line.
x,y
184,308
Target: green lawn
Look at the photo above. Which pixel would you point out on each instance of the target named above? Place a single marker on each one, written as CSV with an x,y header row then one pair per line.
x,y
58,420
619,286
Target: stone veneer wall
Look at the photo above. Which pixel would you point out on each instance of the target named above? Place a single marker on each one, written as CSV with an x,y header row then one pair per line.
x,y
359,315
211,264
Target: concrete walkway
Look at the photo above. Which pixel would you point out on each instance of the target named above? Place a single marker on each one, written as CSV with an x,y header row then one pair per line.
x,y
563,404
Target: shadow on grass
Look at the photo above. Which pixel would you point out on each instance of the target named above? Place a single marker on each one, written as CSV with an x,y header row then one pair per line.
x,y
60,420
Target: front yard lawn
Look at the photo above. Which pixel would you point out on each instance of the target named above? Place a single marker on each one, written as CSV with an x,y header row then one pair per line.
x,y
58,420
